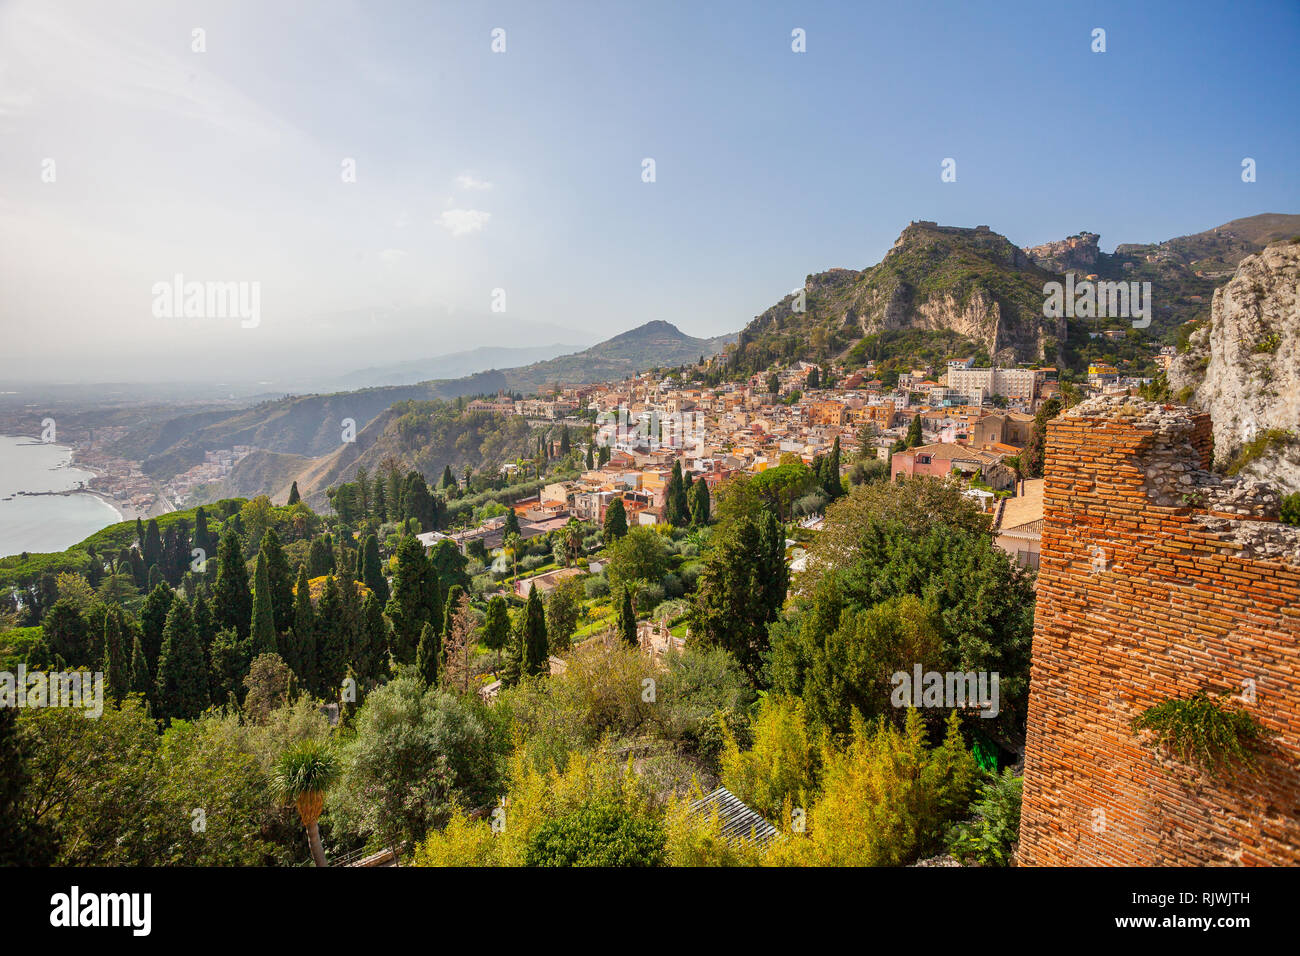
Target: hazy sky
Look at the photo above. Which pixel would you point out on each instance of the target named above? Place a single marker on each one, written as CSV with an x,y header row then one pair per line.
x,y
522,170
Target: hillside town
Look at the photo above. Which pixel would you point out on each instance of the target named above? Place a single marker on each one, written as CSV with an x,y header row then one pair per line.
x,y
957,420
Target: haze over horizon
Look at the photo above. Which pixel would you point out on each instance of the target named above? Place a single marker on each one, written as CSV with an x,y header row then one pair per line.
x,y
522,170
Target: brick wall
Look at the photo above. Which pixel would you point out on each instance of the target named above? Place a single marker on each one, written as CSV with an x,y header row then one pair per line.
x,y
1157,580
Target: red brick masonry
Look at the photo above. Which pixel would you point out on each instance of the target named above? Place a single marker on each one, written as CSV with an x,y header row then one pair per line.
x,y
1157,580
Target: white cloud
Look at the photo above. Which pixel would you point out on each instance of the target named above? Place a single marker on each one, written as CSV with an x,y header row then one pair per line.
x,y
470,181
392,255
463,222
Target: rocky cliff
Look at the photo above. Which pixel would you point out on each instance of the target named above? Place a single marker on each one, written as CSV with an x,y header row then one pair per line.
x,y
1243,367
1077,253
972,288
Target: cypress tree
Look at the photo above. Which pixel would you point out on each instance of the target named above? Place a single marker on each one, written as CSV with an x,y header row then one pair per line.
x,y
449,615
372,658
564,442
408,606
202,539
281,578
153,621
262,627
331,641
153,547
833,485
428,654
534,654
625,622
591,461
372,569
700,503
615,521
350,617
205,625
230,662
231,598
139,533
182,678
320,557
914,436
512,523
155,576
303,659
117,666
294,497
496,626
419,502
380,498
447,480
141,682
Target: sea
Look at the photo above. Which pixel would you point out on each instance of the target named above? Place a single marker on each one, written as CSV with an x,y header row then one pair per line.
x,y
45,522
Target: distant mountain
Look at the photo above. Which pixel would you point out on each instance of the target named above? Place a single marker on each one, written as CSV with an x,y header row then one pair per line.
x,y
454,365
1221,249
655,344
287,432
940,290
305,425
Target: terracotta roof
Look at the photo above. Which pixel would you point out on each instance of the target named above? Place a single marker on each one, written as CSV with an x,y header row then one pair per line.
x,y
1023,510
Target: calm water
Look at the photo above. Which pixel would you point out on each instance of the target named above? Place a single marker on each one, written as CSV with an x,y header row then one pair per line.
x,y
49,522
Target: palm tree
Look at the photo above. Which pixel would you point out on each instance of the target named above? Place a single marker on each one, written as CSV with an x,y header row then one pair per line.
x,y
300,776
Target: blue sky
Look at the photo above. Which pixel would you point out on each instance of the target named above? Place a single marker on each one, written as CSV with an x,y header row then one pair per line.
x,y
522,170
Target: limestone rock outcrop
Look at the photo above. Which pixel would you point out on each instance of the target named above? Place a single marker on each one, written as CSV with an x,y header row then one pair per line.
x,y
1243,367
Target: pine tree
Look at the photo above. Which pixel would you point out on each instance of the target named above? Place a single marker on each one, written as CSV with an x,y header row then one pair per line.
x,y
615,521
700,503
372,569
294,497
625,620
426,657
182,679
231,599
117,666
380,498
262,628
534,653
